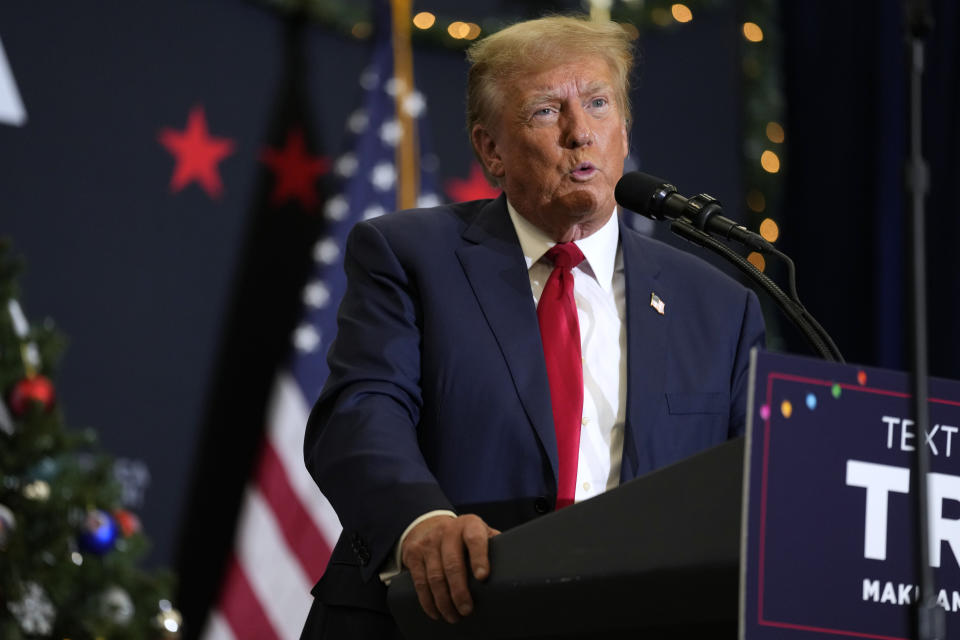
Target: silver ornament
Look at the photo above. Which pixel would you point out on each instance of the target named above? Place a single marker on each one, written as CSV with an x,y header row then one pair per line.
x,y
116,605
34,611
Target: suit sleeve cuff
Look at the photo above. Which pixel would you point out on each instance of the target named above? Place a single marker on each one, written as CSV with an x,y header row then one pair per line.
x,y
392,565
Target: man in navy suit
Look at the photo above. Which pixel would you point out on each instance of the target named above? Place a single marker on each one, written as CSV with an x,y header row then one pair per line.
x,y
436,428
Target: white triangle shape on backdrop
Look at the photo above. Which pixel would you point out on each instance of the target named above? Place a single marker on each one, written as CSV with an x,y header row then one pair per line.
x,y
11,106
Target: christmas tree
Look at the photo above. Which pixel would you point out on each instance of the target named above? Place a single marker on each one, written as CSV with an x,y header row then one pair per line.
x,y
69,551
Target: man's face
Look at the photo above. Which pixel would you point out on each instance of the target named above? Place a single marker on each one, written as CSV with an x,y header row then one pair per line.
x,y
558,146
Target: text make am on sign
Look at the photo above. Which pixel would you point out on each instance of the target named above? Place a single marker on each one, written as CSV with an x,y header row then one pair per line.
x,y
830,504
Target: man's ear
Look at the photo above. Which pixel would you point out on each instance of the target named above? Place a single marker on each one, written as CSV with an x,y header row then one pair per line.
x,y
486,148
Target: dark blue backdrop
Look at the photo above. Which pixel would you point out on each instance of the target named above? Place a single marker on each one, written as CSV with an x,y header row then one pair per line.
x,y
843,218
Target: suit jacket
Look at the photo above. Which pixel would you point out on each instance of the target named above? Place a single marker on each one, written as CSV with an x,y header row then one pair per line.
x,y
438,395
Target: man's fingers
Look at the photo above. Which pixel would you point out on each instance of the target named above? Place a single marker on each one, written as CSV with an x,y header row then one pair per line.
x,y
422,541
475,536
424,595
439,587
455,568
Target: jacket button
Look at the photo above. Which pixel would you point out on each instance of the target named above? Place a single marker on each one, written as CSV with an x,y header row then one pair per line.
x,y
541,505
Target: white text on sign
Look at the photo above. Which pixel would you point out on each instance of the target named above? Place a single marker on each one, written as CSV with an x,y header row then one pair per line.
x,y
880,480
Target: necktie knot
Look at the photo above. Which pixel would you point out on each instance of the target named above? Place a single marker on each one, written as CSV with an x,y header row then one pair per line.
x,y
565,255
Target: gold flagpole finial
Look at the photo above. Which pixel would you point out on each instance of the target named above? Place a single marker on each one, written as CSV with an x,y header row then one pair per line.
x,y
600,10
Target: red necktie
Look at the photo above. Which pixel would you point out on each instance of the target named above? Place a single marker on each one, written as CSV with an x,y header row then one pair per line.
x,y
560,333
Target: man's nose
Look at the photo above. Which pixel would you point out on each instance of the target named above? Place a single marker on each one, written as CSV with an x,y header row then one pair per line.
x,y
576,130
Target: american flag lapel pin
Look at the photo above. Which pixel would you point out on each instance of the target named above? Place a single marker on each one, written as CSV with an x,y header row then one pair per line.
x,y
657,303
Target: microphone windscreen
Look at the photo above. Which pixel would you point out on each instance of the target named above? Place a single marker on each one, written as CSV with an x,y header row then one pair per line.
x,y
635,191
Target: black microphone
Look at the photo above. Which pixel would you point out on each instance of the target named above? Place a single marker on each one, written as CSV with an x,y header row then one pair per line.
x,y
657,199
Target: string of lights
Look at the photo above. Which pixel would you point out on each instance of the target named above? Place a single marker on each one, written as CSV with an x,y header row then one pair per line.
x,y
353,18
764,139
763,131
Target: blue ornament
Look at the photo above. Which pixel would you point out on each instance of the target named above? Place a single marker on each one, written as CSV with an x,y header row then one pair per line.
x,y
98,533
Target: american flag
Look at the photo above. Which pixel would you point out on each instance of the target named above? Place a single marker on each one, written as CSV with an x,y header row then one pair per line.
x,y
286,528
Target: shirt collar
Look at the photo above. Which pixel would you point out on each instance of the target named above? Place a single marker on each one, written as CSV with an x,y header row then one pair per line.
x,y
599,248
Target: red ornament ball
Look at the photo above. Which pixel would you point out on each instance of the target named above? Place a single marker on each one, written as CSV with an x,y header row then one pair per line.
x,y
37,389
128,521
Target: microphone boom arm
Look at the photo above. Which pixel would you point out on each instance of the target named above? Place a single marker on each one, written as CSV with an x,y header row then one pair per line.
x,y
808,326
792,279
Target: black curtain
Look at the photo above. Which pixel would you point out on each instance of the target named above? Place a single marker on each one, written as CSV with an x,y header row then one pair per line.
x,y
844,217
265,308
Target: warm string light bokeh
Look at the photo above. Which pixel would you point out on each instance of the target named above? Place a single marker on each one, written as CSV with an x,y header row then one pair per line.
x,y
458,30
450,32
461,30
752,32
424,20
663,17
681,13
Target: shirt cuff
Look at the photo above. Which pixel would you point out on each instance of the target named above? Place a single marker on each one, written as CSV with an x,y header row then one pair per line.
x,y
392,565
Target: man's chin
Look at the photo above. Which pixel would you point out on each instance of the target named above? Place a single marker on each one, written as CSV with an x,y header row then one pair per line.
x,y
581,208
580,204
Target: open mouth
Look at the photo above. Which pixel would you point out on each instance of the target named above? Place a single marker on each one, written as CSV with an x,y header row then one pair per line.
x,y
583,171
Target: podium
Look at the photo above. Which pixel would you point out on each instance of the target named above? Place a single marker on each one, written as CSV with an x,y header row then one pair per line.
x,y
802,531
657,557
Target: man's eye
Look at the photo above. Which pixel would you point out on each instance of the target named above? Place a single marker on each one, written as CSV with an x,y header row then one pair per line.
x,y
598,102
546,111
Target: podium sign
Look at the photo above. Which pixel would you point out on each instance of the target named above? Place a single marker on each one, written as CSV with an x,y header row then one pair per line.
x,y
830,501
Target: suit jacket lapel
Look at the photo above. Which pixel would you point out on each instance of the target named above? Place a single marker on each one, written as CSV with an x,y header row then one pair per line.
x,y
646,352
494,265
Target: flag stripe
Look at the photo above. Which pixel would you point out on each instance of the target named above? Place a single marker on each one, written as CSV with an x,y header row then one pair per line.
x,y
275,575
304,539
218,628
241,608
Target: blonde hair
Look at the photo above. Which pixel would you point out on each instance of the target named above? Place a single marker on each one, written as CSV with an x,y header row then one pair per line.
x,y
542,44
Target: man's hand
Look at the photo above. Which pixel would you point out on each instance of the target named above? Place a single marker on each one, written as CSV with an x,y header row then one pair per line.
x,y
433,552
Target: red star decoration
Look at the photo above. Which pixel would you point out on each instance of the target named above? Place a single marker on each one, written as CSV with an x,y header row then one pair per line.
x,y
475,187
295,171
197,154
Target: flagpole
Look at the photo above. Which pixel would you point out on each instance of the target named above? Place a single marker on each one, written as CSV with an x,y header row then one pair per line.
x,y
406,154
600,10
